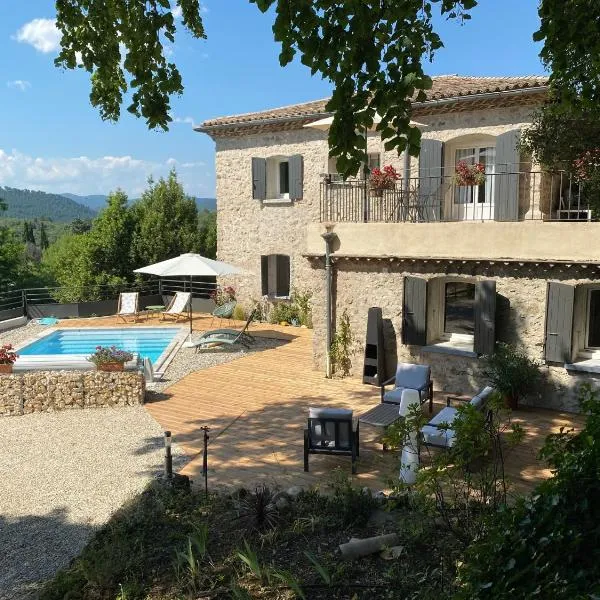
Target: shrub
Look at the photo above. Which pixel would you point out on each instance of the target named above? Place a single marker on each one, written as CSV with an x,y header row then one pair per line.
x,y
297,311
239,313
546,545
341,347
113,354
512,373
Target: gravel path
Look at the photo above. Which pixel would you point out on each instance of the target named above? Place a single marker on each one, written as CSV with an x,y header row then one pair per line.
x,y
21,334
187,360
63,474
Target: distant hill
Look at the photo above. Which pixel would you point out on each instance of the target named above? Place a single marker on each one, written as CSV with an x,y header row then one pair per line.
x,y
94,201
98,201
30,204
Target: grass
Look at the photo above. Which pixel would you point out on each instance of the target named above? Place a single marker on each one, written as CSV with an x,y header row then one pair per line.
x,y
168,544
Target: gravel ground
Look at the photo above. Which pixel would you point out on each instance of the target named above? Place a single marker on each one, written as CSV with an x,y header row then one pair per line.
x,y
187,360
63,474
21,334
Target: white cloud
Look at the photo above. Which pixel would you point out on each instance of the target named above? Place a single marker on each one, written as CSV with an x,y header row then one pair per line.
x,y
19,84
42,34
184,120
85,175
177,12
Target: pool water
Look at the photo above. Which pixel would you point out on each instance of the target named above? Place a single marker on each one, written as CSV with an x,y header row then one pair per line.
x,y
148,342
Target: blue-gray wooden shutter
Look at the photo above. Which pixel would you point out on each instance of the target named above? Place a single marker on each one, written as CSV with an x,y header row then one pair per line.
x,y
430,180
283,275
296,176
485,317
259,178
506,179
560,298
414,311
264,275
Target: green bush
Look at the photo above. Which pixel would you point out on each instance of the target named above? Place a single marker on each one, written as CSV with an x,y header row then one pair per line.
x,y
548,544
296,311
512,373
239,313
342,346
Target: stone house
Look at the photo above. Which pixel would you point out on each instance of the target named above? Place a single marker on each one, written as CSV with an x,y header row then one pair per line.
x,y
454,267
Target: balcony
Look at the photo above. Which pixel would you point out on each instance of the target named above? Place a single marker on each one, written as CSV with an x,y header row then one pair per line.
x,y
513,196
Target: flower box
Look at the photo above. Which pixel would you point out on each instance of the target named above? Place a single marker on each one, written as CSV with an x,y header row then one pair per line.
x,y
7,358
6,369
111,367
382,179
467,175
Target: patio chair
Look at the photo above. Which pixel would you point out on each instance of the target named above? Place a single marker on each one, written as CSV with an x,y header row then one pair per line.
x,y
411,377
331,431
437,432
227,336
225,311
177,307
150,375
128,305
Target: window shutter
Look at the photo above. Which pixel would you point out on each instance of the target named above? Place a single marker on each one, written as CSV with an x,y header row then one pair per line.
x,y
414,312
430,179
259,178
264,275
506,179
560,299
296,176
283,275
485,317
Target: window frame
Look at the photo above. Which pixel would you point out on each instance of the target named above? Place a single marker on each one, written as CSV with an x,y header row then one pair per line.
x,y
273,173
453,336
589,351
272,276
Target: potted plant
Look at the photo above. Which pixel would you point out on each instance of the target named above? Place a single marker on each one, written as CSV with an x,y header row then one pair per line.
x,y
7,358
512,373
469,175
110,359
223,295
383,179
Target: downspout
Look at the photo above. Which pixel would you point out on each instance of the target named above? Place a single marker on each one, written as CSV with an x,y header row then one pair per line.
x,y
329,237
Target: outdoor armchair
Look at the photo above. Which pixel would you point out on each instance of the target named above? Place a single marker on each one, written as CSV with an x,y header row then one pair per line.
x,y
438,432
331,431
409,377
225,311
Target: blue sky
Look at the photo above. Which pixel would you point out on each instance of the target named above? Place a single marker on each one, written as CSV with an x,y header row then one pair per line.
x,y
53,140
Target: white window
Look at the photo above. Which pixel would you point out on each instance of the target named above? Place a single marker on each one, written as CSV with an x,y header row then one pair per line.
x,y
477,201
278,177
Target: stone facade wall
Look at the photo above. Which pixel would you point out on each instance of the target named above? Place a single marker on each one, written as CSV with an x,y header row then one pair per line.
x,y
43,391
520,320
248,228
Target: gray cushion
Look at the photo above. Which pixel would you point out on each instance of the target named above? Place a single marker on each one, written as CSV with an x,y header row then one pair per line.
x,y
438,437
481,398
394,396
329,413
412,376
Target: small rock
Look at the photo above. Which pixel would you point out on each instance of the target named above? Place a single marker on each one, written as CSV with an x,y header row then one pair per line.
x,y
294,491
282,503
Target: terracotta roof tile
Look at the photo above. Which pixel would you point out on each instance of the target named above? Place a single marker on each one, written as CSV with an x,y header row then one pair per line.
x,y
444,87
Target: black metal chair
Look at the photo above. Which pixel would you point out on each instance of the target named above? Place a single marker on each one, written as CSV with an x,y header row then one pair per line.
x,y
331,431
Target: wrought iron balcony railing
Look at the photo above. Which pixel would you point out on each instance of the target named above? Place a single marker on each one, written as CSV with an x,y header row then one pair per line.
x,y
513,196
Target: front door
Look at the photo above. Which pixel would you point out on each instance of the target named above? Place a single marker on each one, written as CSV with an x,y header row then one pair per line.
x,y
475,202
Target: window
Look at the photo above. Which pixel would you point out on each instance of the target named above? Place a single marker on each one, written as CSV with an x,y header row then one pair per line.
x,y
459,308
275,275
278,177
478,194
373,162
593,319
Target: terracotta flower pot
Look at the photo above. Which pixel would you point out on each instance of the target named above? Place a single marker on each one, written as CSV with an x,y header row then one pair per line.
x,y
111,366
511,401
8,369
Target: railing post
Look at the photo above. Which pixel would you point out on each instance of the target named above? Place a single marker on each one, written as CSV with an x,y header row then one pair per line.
x,y
24,301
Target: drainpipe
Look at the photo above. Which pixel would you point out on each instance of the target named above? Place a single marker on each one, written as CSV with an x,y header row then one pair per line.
x,y
329,237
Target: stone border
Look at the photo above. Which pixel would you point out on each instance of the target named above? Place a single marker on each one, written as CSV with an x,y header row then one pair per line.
x,y
46,391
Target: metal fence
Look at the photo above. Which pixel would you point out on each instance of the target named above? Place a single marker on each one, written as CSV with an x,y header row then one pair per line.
x,y
19,300
539,195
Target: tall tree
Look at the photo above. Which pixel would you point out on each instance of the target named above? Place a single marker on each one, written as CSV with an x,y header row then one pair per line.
x,y
110,238
44,242
166,222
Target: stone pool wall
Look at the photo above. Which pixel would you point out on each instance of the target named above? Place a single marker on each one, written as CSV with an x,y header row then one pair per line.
x,y
43,391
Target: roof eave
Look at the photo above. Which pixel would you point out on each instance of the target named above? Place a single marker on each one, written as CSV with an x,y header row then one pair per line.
x,y
211,129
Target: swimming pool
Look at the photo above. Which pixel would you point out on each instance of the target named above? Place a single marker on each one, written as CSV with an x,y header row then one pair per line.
x,y
154,343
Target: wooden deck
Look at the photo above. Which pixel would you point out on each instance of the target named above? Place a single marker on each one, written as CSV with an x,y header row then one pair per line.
x,y
256,408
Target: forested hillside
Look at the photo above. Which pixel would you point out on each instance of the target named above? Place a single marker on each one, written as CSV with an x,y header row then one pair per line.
x,y
29,204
